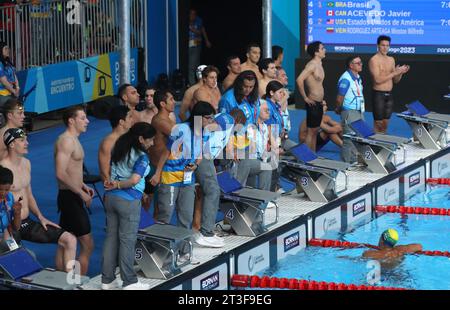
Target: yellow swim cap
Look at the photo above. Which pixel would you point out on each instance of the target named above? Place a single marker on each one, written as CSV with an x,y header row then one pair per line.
x,y
390,237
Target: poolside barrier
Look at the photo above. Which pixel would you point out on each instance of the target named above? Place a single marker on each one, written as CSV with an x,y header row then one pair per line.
x,y
438,181
238,280
345,244
413,210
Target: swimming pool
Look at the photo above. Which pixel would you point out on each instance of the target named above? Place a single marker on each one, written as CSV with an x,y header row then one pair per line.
x,y
347,266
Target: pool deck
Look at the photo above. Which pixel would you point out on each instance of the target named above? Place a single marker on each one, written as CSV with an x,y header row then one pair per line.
x,y
291,207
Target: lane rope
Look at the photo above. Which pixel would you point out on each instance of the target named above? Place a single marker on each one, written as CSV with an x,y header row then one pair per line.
x,y
296,284
413,210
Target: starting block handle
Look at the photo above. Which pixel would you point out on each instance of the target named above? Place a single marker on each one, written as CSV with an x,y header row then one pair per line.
x,y
277,216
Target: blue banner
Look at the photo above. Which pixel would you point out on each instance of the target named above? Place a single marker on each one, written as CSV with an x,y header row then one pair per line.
x,y
69,83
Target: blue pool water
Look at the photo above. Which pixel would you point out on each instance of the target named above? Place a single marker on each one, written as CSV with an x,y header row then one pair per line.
x,y
347,265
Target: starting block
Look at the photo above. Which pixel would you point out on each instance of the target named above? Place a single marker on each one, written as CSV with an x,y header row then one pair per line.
x,y
159,249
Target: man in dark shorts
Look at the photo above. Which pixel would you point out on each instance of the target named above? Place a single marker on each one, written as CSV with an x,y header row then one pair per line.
x,y
43,231
313,76
330,130
73,193
384,74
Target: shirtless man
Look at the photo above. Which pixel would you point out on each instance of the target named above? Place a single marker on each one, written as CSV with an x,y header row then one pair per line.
x,y
150,109
313,75
121,119
269,71
253,56
165,103
387,252
234,68
43,231
209,92
14,116
384,74
130,97
73,193
188,98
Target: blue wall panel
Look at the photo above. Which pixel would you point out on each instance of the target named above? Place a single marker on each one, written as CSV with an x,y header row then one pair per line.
x,y
286,33
156,37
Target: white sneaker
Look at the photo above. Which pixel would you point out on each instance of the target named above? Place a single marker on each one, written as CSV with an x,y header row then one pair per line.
x,y
116,284
220,239
209,242
184,258
138,286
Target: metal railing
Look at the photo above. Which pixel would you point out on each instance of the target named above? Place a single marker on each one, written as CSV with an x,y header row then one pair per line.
x,y
42,32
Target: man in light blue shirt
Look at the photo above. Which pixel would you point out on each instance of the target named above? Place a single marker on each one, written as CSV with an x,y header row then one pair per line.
x,y
350,103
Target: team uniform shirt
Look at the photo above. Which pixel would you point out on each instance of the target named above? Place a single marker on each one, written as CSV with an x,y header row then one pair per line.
x,y
10,73
351,88
276,120
136,163
184,148
215,141
6,212
228,102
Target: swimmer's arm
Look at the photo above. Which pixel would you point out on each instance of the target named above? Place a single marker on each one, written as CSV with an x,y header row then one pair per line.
x,y
309,69
32,204
374,254
185,104
104,159
410,248
402,69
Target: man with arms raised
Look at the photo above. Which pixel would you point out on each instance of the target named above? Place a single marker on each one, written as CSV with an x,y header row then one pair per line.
x,y
313,76
73,193
209,92
45,231
384,74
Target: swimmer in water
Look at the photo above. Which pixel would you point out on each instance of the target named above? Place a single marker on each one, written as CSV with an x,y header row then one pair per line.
x,y
387,251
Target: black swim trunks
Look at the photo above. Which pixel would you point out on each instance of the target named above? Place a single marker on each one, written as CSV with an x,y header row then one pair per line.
x,y
74,217
34,232
320,142
383,104
314,115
